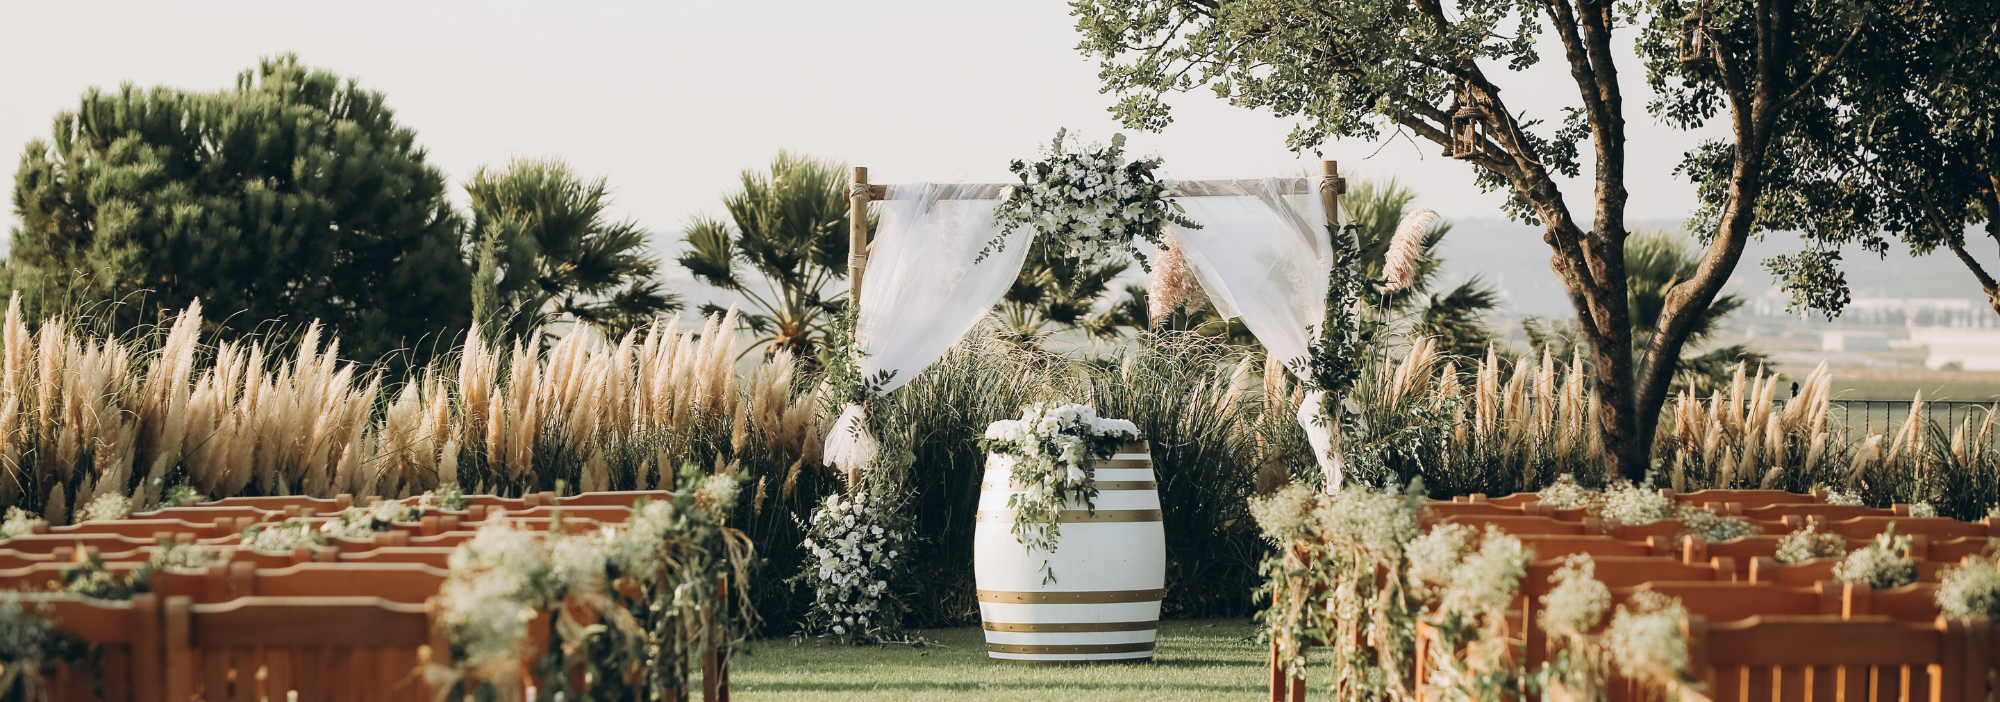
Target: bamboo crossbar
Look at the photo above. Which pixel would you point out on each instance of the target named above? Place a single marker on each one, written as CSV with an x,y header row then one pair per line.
x,y
1185,188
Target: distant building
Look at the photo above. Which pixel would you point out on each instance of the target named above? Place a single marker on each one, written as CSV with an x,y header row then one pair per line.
x,y
1972,349
1899,311
1853,341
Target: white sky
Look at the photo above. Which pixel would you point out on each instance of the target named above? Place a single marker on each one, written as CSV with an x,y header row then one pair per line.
x,y
670,100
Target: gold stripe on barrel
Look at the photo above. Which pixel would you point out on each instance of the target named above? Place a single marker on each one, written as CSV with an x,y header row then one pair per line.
x,y
1123,463
1077,516
1072,627
1071,648
1072,597
1135,447
1102,485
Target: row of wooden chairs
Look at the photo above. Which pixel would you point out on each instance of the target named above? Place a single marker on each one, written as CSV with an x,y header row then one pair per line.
x,y
1725,584
346,621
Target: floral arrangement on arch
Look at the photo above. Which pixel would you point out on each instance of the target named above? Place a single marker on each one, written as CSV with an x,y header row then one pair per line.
x,y
1053,447
625,605
1088,201
858,546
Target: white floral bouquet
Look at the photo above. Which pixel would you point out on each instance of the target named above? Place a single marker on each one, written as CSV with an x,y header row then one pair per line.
x,y
1053,447
363,522
857,547
282,536
1088,201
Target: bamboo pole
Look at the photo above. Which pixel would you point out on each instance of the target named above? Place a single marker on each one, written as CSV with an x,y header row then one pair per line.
x,y
1329,194
857,233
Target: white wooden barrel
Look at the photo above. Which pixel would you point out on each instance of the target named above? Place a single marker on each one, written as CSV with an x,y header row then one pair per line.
x,y
1110,568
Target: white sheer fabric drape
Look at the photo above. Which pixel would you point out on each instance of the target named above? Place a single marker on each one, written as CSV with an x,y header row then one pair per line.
x,y
1263,255
921,291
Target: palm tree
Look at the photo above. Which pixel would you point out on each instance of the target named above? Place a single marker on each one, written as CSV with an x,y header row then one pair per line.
x,y
1654,263
546,252
784,242
1059,293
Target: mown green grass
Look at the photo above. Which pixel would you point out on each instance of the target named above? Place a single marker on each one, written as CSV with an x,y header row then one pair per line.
x,y
1201,659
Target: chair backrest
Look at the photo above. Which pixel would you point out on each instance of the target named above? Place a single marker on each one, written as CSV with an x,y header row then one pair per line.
x,y
146,528
1935,528
409,583
1820,657
208,515
278,504
1750,499
1613,571
1777,513
127,638
436,557
1729,601
1675,528
323,648
1521,526
1445,510
48,543
615,499
1549,546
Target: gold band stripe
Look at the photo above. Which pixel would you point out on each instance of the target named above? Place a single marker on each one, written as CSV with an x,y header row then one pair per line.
x,y
1071,649
1102,485
1123,463
1135,447
1072,597
1072,662
1076,516
1077,627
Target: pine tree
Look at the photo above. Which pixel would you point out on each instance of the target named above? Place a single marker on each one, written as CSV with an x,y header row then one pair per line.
x,y
293,196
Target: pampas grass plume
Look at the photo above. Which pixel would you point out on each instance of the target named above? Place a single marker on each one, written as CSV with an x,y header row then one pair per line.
x,y
1406,250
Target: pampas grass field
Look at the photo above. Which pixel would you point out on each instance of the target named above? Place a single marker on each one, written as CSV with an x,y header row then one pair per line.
x,y
85,415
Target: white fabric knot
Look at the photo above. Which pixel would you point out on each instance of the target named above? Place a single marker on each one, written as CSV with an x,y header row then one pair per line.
x,y
857,260
849,447
859,190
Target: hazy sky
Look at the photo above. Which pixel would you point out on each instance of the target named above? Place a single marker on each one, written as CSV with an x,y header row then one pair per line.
x,y
670,100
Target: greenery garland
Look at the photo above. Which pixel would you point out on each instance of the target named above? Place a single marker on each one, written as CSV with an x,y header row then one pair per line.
x,y
1333,361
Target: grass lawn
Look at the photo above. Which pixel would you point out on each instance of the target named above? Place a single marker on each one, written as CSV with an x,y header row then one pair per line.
x,y
1200,659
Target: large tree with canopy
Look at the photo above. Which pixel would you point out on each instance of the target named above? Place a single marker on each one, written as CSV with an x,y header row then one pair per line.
x,y
1429,70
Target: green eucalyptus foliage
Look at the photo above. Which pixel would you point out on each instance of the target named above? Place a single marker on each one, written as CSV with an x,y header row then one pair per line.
x,y
293,196
544,250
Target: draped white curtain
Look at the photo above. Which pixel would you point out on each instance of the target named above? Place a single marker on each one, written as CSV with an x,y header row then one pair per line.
x,y
921,291
1263,255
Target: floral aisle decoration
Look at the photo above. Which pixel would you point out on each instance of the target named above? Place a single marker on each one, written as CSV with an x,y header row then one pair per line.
x,y
18,522
1088,201
1322,584
1883,563
30,648
1970,589
625,605
1643,642
1466,579
1052,448
283,536
857,546
1808,543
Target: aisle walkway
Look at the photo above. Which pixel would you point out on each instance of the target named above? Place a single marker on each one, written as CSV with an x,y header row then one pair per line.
x,y
1197,660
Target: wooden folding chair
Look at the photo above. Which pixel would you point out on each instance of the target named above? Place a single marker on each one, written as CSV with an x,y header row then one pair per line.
x,y
1811,658
326,649
1749,499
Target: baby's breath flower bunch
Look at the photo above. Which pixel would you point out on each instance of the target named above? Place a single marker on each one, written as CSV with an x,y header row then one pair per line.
x,y
19,522
1565,493
1646,642
283,536
186,558
1625,504
107,507
1704,522
449,497
363,522
627,603
1923,510
1088,202
1052,449
1836,496
857,547
1885,563
1809,543
1971,589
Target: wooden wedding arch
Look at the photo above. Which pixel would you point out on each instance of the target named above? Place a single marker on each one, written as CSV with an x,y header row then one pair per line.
x,y
858,199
